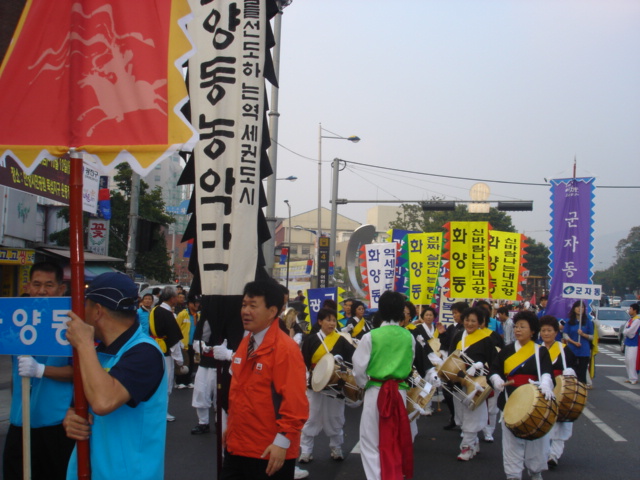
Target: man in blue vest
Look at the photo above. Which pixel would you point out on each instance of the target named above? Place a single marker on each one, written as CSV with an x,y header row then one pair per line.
x,y
124,382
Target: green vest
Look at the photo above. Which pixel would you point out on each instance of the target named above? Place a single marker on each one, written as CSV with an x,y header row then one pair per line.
x,y
391,355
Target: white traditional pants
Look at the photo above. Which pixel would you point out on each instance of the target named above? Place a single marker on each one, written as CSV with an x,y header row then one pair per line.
x,y
472,421
370,433
204,393
518,454
492,408
560,433
169,370
325,413
630,354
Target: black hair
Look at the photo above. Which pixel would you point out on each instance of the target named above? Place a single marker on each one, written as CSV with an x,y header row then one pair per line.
x,y
635,306
573,317
356,304
479,312
428,309
483,304
459,306
330,304
391,306
326,313
269,289
550,321
529,317
503,310
48,267
544,297
156,291
147,295
412,308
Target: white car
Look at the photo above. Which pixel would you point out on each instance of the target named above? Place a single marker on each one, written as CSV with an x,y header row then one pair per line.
x,y
609,321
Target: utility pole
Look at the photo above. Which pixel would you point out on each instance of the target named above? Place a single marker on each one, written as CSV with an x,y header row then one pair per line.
x,y
130,265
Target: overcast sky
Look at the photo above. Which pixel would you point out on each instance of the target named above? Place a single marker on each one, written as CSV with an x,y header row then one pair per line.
x,y
507,90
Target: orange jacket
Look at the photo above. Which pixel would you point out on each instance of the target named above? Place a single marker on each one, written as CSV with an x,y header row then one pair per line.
x,y
267,395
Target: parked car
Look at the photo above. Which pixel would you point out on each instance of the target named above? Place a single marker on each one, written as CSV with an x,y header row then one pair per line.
x,y
615,301
609,322
625,304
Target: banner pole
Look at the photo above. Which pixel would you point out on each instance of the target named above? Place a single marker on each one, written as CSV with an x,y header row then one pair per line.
x,y
76,234
26,428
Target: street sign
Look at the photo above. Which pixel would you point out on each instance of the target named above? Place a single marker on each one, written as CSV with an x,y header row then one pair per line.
x,y
584,291
34,326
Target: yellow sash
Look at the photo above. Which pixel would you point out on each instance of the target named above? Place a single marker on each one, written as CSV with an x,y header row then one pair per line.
x,y
518,358
410,326
358,328
554,351
330,342
152,329
475,337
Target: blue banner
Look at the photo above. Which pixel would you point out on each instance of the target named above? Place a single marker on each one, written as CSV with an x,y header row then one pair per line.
x,y
315,299
34,326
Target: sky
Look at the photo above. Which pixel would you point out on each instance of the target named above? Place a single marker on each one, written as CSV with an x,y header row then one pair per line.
x,y
502,90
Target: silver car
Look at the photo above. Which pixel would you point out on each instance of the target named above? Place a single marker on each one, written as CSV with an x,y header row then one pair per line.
x,y
609,322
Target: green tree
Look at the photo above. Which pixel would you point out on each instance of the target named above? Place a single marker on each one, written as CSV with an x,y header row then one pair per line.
x,y
624,275
537,258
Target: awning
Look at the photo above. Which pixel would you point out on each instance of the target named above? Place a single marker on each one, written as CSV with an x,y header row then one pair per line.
x,y
88,256
90,272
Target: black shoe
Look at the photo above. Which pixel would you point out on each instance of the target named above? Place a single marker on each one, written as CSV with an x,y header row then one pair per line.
x,y
451,426
552,463
200,429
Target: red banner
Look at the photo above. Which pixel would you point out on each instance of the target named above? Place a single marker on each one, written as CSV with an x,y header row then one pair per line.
x,y
98,76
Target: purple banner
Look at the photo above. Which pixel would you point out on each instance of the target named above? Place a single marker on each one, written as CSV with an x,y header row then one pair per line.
x,y
402,272
571,239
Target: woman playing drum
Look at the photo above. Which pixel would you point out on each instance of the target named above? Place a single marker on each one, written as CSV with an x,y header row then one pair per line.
x,y
475,343
325,412
563,362
520,363
357,326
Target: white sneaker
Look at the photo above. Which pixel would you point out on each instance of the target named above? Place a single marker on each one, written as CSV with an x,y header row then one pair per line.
x,y
476,448
428,412
466,454
336,453
181,386
300,473
536,476
305,458
488,438
170,418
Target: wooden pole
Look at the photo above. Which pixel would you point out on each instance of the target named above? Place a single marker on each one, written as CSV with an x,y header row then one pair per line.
x,y
26,428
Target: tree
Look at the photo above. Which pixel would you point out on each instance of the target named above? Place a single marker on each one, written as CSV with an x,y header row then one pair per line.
x,y
624,275
537,258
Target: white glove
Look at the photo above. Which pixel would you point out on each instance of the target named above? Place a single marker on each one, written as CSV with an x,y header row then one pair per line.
x,y
420,338
435,360
475,368
478,386
29,367
569,372
338,358
497,382
298,338
206,348
182,370
546,386
196,346
347,329
221,352
433,379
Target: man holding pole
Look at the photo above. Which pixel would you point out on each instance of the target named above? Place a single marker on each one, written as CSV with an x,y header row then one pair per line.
x,y
51,394
125,384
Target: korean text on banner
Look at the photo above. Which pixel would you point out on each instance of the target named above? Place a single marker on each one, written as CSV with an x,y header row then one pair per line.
x,y
506,250
315,299
468,246
424,253
227,97
380,269
571,239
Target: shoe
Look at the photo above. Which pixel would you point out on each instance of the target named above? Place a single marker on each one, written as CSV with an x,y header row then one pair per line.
x,y
190,385
488,438
476,448
200,429
552,462
336,453
181,386
305,458
428,412
300,473
451,426
170,418
466,454
536,476
627,381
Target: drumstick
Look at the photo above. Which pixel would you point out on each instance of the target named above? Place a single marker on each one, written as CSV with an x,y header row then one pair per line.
x,y
509,382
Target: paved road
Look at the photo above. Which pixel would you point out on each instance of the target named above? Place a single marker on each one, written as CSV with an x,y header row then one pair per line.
x,y
603,446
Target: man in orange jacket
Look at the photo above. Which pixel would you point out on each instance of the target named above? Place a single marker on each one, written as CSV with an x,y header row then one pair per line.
x,y
268,405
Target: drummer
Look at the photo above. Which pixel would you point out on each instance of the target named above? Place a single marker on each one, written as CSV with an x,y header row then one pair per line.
x,y
474,342
325,412
564,362
518,362
357,325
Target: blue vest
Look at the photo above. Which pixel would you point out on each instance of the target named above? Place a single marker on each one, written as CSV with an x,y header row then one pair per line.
x,y
633,341
143,318
50,399
572,330
128,443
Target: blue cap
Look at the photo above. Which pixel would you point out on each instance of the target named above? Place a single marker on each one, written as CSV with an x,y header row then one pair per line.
x,y
114,290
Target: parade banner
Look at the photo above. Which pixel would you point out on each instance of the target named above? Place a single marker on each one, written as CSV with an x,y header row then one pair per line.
x,y
34,326
571,239
578,291
379,263
98,236
467,249
424,252
315,297
101,76
506,253
227,90
398,236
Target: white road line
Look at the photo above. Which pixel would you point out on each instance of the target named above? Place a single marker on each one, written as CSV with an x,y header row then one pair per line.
x,y
609,366
356,449
627,396
603,426
622,382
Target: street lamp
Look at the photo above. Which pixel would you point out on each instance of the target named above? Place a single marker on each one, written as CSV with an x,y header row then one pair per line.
x,y
268,247
289,242
353,139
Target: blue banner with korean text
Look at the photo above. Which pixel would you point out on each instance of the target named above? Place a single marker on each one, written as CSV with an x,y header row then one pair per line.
x,y
572,201
34,326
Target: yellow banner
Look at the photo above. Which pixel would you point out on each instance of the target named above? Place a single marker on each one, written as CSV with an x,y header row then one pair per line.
x,y
505,264
468,244
424,254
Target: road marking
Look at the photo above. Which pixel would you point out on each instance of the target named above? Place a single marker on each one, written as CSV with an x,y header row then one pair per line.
x,y
627,396
603,426
622,382
609,366
356,449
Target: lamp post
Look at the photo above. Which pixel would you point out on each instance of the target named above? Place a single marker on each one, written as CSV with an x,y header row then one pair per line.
x,y
353,139
268,247
289,242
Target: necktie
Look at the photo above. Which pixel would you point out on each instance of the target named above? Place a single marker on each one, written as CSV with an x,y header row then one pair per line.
x,y
251,347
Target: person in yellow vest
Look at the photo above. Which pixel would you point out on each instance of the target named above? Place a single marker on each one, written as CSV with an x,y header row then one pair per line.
x,y
325,412
187,320
357,326
476,343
